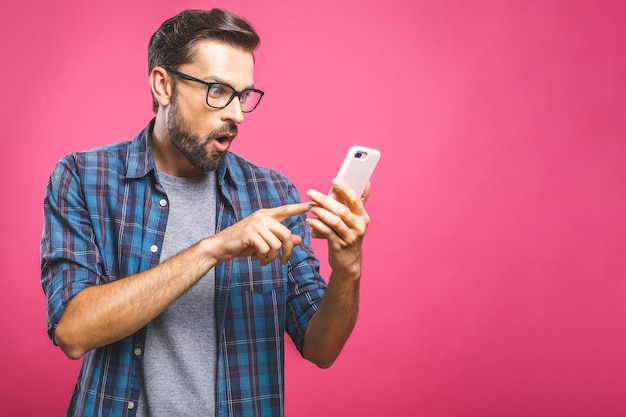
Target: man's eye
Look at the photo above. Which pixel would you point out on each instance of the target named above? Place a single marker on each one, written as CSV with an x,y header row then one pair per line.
x,y
218,90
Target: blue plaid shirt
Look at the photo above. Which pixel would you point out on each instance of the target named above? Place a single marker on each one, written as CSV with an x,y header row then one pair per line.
x,y
105,214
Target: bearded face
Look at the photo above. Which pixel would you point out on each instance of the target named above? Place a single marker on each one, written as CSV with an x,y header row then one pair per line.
x,y
198,149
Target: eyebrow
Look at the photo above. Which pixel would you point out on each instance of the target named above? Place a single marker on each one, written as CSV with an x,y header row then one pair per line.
x,y
216,79
207,80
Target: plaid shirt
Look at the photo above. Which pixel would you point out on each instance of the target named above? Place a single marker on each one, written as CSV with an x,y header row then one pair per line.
x,y
104,219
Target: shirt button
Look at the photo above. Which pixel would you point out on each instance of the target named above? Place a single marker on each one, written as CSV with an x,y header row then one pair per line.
x,y
163,202
137,351
154,248
131,405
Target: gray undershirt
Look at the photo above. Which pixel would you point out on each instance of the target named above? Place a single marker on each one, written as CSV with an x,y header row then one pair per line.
x,y
180,355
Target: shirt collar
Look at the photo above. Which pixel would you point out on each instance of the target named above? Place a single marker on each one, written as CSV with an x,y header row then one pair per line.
x,y
140,158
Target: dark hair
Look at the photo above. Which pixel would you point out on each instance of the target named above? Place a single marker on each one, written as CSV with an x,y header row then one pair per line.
x,y
172,44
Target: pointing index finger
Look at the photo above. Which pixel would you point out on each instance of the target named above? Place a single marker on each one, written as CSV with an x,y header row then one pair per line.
x,y
281,213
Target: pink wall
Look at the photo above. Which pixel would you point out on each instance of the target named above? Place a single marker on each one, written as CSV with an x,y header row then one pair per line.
x,y
495,270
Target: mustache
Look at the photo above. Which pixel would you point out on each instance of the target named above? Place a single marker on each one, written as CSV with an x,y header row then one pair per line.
x,y
227,129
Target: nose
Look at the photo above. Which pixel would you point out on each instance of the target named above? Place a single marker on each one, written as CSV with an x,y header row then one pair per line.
x,y
233,112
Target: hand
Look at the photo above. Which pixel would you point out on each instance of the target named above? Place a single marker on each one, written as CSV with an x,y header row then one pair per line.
x,y
260,236
342,225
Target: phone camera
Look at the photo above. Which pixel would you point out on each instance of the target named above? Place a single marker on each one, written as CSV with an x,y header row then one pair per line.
x,y
358,155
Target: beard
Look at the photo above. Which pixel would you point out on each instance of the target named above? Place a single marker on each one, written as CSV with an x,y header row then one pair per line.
x,y
194,147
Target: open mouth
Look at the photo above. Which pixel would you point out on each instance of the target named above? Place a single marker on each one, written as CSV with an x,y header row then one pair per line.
x,y
222,143
224,137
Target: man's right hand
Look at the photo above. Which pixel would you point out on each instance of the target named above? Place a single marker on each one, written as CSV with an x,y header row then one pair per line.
x,y
260,236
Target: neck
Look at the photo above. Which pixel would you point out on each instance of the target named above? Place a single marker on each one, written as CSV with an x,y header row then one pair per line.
x,y
167,157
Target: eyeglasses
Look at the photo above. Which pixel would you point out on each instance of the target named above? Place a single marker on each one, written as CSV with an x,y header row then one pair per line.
x,y
219,95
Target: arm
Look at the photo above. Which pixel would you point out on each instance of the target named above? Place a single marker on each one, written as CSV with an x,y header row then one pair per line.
x,y
102,314
344,227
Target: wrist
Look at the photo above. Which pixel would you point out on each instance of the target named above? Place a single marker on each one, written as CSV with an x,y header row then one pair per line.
x,y
209,251
347,269
347,274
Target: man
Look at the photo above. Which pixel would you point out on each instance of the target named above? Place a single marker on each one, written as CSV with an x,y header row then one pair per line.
x,y
173,267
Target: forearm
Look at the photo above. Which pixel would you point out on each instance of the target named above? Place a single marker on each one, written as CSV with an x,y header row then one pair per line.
x,y
332,323
104,314
343,226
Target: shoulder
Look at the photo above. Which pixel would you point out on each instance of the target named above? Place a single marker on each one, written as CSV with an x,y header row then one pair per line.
x,y
132,157
102,155
93,163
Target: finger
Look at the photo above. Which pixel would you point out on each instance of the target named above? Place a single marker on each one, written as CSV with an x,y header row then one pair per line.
x,y
327,223
297,240
279,239
265,247
351,199
331,214
281,213
319,229
366,193
287,248
276,242
322,200
331,211
288,245
258,248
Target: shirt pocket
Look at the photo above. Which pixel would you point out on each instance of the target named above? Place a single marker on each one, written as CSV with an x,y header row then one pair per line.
x,y
249,275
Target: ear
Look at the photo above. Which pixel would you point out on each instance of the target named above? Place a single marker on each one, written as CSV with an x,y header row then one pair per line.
x,y
161,85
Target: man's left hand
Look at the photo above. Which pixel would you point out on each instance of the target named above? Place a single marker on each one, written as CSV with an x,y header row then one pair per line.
x,y
342,225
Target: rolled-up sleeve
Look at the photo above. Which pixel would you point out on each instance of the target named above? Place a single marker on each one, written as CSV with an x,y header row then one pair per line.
x,y
70,258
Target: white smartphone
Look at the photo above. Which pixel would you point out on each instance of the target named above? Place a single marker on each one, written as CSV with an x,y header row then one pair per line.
x,y
357,169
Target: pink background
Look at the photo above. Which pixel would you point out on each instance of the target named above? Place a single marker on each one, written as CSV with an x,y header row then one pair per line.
x,y
495,271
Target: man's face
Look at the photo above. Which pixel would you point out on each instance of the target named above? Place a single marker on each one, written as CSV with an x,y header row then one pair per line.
x,y
201,133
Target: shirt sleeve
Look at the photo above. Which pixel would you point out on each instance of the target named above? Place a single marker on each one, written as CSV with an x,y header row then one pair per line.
x,y
305,284
70,258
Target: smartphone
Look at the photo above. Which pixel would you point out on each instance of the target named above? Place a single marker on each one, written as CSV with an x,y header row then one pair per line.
x,y
357,169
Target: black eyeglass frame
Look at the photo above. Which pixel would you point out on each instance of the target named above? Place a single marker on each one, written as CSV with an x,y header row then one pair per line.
x,y
236,93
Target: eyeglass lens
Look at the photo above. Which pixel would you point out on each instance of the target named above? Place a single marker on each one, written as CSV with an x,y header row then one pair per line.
x,y
220,95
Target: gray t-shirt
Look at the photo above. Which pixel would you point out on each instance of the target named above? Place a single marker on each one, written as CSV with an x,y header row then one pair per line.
x,y
180,355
